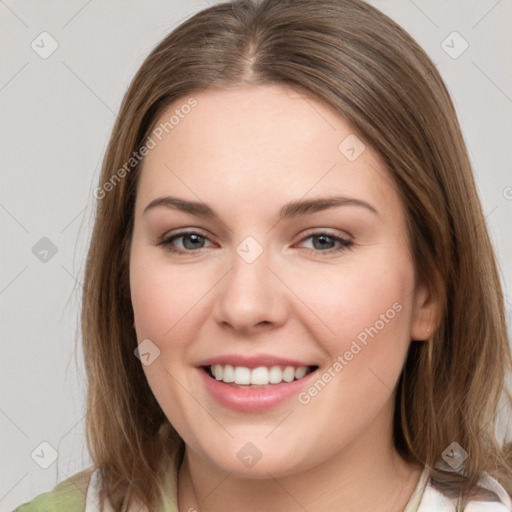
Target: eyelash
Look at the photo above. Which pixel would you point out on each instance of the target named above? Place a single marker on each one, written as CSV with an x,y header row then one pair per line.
x,y
166,243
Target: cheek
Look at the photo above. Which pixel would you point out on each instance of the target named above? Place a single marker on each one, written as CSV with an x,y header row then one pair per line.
x,y
160,311
365,309
154,305
169,304
163,297
165,305
369,309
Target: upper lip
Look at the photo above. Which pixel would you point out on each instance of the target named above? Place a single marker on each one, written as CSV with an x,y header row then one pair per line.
x,y
252,361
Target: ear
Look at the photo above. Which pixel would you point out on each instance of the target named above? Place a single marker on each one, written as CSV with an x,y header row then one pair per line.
x,y
425,313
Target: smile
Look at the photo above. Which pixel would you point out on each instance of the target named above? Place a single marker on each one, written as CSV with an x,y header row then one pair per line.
x,y
259,376
255,389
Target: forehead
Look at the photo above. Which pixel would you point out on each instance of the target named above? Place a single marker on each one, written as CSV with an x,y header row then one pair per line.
x,y
258,142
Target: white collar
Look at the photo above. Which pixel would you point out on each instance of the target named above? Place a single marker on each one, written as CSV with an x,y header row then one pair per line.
x,y
426,496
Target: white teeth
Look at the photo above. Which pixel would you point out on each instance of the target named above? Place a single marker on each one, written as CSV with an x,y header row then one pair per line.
x,y
300,372
242,375
229,374
289,374
261,375
217,371
275,376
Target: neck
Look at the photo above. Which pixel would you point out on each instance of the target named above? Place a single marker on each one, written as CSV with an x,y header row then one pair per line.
x,y
363,477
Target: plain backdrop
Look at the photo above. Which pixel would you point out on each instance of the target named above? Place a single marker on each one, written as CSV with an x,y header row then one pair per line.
x,y
57,112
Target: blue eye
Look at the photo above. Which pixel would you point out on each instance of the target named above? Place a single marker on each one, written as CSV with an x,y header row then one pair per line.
x,y
192,241
326,243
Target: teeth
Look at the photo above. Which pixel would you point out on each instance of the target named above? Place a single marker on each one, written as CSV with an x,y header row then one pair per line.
x,y
242,375
261,375
300,372
228,373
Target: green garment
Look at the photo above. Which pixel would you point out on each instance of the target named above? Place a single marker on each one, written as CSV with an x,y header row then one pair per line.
x,y
79,493
68,496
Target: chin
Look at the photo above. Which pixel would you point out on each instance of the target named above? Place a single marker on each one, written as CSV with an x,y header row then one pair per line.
x,y
246,460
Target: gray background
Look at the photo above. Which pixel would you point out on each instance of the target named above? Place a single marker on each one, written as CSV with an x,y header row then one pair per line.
x,y
56,118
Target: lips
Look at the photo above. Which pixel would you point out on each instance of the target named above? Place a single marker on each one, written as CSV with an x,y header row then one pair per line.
x,y
278,379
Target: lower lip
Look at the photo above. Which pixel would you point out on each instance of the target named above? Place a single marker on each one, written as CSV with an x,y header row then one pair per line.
x,y
253,399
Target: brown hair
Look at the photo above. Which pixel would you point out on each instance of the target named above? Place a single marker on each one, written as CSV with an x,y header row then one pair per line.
x,y
357,60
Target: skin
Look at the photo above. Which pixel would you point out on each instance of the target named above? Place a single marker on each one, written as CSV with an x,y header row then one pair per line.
x,y
246,152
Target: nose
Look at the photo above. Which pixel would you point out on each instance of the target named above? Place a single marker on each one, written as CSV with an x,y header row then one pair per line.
x,y
250,298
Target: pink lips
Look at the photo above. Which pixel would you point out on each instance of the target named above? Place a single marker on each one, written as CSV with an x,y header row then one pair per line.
x,y
252,399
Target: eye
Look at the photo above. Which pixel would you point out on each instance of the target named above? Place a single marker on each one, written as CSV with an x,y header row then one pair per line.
x,y
187,242
190,241
326,242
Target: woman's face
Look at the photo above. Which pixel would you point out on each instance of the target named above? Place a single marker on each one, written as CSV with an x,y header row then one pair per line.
x,y
298,258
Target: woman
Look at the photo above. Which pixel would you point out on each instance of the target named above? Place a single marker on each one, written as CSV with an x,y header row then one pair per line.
x,y
291,300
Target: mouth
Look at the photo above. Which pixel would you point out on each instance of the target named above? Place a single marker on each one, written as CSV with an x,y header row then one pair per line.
x,y
242,377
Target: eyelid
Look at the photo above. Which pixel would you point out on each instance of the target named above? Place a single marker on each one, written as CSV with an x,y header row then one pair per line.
x,y
327,231
184,231
344,242
167,239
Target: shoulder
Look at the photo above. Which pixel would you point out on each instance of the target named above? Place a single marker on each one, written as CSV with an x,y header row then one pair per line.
x,y
434,500
67,496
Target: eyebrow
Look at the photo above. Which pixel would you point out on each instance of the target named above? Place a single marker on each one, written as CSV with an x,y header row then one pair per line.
x,y
289,210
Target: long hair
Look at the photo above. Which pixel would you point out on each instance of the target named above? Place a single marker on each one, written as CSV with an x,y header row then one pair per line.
x,y
354,58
